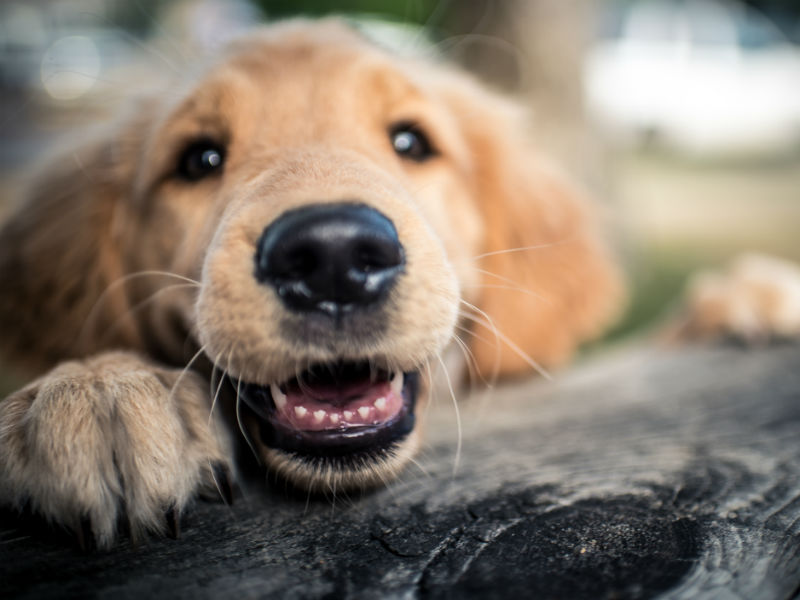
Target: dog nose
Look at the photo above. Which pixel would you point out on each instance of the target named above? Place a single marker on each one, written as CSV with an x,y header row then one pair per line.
x,y
330,257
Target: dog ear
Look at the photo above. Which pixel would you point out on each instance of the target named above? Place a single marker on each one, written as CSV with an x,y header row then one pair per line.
x,y
548,282
59,255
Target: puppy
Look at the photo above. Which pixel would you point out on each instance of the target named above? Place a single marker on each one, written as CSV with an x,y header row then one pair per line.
x,y
294,235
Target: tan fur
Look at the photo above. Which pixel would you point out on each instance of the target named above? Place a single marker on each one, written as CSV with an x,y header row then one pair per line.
x,y
560,288
74,440
757,298
304,110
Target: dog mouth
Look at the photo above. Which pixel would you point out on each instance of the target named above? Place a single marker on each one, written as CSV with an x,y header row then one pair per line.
x,y
335,409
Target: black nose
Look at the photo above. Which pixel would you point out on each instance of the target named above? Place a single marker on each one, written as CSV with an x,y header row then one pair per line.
x,y
330,257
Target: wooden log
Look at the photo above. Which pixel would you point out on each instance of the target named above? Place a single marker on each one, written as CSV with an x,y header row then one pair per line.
x,y
669,473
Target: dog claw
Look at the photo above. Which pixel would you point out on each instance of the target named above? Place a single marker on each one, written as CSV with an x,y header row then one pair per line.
x,y
84,535
224,481
173,517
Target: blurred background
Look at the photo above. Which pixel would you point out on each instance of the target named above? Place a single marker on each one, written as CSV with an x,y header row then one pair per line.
x,y
683,117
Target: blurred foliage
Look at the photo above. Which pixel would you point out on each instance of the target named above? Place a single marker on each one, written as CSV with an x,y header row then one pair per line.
x,y
411,11
656,278
137,17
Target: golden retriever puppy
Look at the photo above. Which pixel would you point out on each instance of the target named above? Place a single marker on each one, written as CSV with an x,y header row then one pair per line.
x,y
294,233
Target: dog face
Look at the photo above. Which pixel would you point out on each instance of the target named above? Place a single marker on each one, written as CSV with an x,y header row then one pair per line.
x,y
340,212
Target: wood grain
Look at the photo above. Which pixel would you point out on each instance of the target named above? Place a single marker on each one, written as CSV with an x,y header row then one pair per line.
x,y
671,474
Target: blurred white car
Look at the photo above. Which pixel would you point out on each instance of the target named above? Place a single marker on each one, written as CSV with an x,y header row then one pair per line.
x,y
702,77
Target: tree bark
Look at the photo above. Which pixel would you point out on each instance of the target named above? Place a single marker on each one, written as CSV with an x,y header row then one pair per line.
x,y
658,473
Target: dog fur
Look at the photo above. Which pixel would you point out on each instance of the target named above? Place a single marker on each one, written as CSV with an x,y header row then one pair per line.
x,y
116,272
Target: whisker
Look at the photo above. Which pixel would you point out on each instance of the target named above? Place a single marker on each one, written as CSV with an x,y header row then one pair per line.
x,y
523,248
432,388
214,371
219,387
469,358
472,332
142,304
517,350
346,499
308,501
489,384
491,327
419,466
153,273
457,460
121,281
386,482
512,288
171,397
304,388
239,420
515,284
183,372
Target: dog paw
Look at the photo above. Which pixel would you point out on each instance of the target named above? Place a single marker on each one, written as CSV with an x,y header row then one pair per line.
x,y
111,441
755,300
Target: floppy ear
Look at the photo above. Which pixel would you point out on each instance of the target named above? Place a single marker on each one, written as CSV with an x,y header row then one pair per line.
x,y
548,282
59,254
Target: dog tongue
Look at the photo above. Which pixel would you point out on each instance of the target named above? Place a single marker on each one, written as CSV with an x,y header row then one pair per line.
x,y
331,393
318,407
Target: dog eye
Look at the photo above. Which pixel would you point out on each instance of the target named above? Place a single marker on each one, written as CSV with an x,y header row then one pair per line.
x,y
409,141
200,159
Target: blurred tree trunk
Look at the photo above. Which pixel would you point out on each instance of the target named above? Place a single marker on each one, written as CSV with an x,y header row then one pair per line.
x,y
535,49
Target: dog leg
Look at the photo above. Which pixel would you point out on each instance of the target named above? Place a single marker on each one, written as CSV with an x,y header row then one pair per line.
x,y
755,300
108,439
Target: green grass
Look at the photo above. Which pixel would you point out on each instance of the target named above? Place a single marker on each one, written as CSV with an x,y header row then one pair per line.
x,y
656,279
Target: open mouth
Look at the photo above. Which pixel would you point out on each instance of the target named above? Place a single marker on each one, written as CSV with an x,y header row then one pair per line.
x,y
335,409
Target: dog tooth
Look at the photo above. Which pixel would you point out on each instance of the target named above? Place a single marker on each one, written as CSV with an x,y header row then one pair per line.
x,y
397,384
364,412
348,414
278,397
380,403
334,418
300,411
319,415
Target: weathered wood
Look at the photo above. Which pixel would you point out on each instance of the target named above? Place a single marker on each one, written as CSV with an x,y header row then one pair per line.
x,y
659,473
